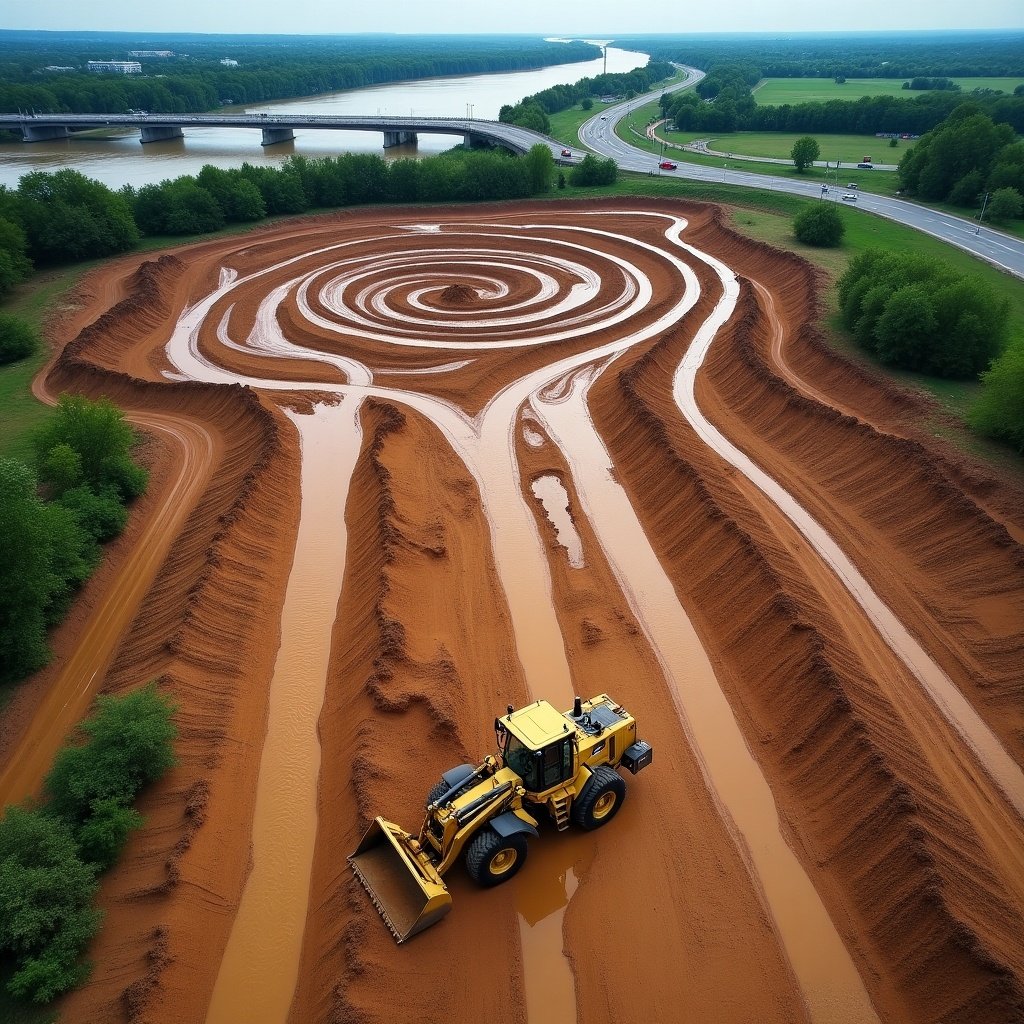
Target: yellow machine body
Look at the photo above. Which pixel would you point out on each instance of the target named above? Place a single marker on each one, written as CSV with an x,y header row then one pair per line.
x,y
546,759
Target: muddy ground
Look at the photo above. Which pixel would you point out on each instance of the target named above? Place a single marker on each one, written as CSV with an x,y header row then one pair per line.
x,y
342,571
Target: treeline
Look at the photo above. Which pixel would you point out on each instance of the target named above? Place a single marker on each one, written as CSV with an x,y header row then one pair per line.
x,y
268,68
901,55
915,313
50,543
967,156
63,216
52,854
532,111
733,109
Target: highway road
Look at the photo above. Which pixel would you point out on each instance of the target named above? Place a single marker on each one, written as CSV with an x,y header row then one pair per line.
x,y
1004,251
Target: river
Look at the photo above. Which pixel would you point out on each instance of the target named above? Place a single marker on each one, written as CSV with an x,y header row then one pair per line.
x,y
121,159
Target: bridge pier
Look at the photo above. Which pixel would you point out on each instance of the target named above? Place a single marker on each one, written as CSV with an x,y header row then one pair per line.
x,y
473,141
272,136
152,133
399,138
43,132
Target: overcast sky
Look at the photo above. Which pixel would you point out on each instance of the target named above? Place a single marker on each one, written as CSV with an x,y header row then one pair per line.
x,y
576,17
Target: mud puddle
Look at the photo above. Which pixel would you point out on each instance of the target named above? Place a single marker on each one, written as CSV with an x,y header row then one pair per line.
x,y
551,493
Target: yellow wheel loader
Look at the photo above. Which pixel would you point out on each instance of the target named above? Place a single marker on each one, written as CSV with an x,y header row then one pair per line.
x,y
561,765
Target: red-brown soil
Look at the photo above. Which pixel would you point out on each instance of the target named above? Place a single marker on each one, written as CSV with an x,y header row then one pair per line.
x,y
915,852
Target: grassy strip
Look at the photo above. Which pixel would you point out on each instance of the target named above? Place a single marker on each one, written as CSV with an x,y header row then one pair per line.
x,y
777,91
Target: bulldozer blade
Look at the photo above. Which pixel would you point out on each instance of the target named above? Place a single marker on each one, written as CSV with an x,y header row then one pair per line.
x,y
408,894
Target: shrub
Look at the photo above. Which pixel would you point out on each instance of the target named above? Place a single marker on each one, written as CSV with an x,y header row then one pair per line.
x,y
103,835
101,515
804,152
128,744
999,411
916,313
98,433
820,225
591,170
45,913
18,339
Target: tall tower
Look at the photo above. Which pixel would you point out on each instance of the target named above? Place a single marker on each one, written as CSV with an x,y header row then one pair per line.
x,y
604,50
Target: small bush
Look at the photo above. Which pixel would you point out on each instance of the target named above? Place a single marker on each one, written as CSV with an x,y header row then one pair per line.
x,y
102,515
999,411
18,338
128,744
103,835
593,171
45,894
820,224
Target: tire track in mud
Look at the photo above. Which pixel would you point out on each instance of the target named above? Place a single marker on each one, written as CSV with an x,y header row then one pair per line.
x,y
536,326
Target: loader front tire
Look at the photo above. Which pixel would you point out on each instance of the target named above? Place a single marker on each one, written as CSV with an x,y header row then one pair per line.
x,y
600,800
492,859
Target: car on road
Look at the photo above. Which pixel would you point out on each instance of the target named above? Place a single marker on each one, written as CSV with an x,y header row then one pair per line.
x,y
866,167
849,197
667,165
852,184
566,152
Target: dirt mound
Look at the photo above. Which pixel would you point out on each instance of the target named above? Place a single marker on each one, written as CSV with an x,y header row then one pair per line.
x,y
457,598
458,295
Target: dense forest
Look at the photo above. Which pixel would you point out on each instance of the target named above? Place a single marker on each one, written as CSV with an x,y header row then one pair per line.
x,y
265,68
849,55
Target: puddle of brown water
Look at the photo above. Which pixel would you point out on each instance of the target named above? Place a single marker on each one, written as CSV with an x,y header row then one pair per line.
x,y
260,965
544,887
549,491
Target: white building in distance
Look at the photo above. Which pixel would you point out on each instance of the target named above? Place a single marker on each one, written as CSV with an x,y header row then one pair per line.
x,y
229,63
151,53
115,67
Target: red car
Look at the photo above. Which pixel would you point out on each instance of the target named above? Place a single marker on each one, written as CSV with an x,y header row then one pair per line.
x,y
566,152
667,165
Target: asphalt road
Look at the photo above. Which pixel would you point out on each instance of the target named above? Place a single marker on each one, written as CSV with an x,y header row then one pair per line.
x,y
1002,250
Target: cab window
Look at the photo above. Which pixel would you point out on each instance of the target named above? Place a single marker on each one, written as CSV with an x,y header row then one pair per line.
x,y
523,762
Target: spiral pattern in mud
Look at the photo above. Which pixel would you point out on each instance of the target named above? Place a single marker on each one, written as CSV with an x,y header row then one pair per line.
x,y
479,288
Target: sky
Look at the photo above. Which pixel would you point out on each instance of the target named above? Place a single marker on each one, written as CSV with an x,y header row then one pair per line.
x,y
543,17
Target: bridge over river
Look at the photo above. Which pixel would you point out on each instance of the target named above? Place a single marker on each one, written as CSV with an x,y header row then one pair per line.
x,y
277,128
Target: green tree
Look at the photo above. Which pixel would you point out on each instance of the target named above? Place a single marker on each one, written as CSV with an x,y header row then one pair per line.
x,y
804,152
820,224
15,265
592,170
587,103
98,433
18,338
45,913
999,410
44,555
905,328
67,216
1005,204
128,743
541,167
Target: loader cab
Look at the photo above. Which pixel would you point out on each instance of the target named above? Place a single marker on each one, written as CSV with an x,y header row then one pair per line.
x,y
538,745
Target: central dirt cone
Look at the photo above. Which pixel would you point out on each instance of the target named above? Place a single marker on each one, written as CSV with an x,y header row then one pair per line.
x,y
458,295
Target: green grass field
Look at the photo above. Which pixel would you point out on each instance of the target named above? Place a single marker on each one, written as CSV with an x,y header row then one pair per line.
x,y
847,148
776,91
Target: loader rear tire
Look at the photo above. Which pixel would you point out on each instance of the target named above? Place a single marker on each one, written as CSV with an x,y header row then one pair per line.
x,y
436,790
600,800
492,859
